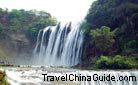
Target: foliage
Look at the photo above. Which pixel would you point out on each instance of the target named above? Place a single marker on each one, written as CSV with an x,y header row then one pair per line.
x,y
4,79
42,23
121,16
103,62
103,39
85,27
32,33
116,14
133,60
1,27
112,13
15,24
21,21
51,21
118,62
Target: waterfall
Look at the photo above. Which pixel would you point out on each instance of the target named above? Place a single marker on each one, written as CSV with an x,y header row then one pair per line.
x,y
59,45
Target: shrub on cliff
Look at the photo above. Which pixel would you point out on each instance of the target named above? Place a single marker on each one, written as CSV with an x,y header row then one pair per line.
x,y
19,21
3,80
103,62
118,62
119,15
32,33
103,39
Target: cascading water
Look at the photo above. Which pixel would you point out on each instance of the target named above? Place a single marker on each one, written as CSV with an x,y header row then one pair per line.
x,y
59,45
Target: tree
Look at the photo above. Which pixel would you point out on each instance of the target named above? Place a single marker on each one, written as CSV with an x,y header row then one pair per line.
x,y
1,12
103,62
119,15
103,39
118,62
51,21
14,14
15,24
32,33
25,22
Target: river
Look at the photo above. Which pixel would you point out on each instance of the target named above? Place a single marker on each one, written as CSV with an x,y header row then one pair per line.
x,y
67,76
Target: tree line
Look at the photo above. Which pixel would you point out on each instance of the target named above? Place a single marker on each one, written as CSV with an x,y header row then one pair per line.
x,y
111,29
27,22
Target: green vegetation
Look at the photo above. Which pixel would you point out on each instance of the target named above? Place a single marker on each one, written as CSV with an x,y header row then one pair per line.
x,y
3,79
19,30
25,22
32,32
1,27
111,29
102,39
118,62
103,62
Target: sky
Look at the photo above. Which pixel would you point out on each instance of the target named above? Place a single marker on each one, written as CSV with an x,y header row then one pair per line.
x,y
63,10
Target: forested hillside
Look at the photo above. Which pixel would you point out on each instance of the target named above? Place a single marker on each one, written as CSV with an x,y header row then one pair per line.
x,y
19,29
111,34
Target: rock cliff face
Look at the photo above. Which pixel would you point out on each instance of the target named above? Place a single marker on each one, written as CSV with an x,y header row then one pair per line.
x,y
14,47
18,33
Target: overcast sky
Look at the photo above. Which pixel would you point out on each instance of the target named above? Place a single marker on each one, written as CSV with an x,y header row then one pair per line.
x,y
63,10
